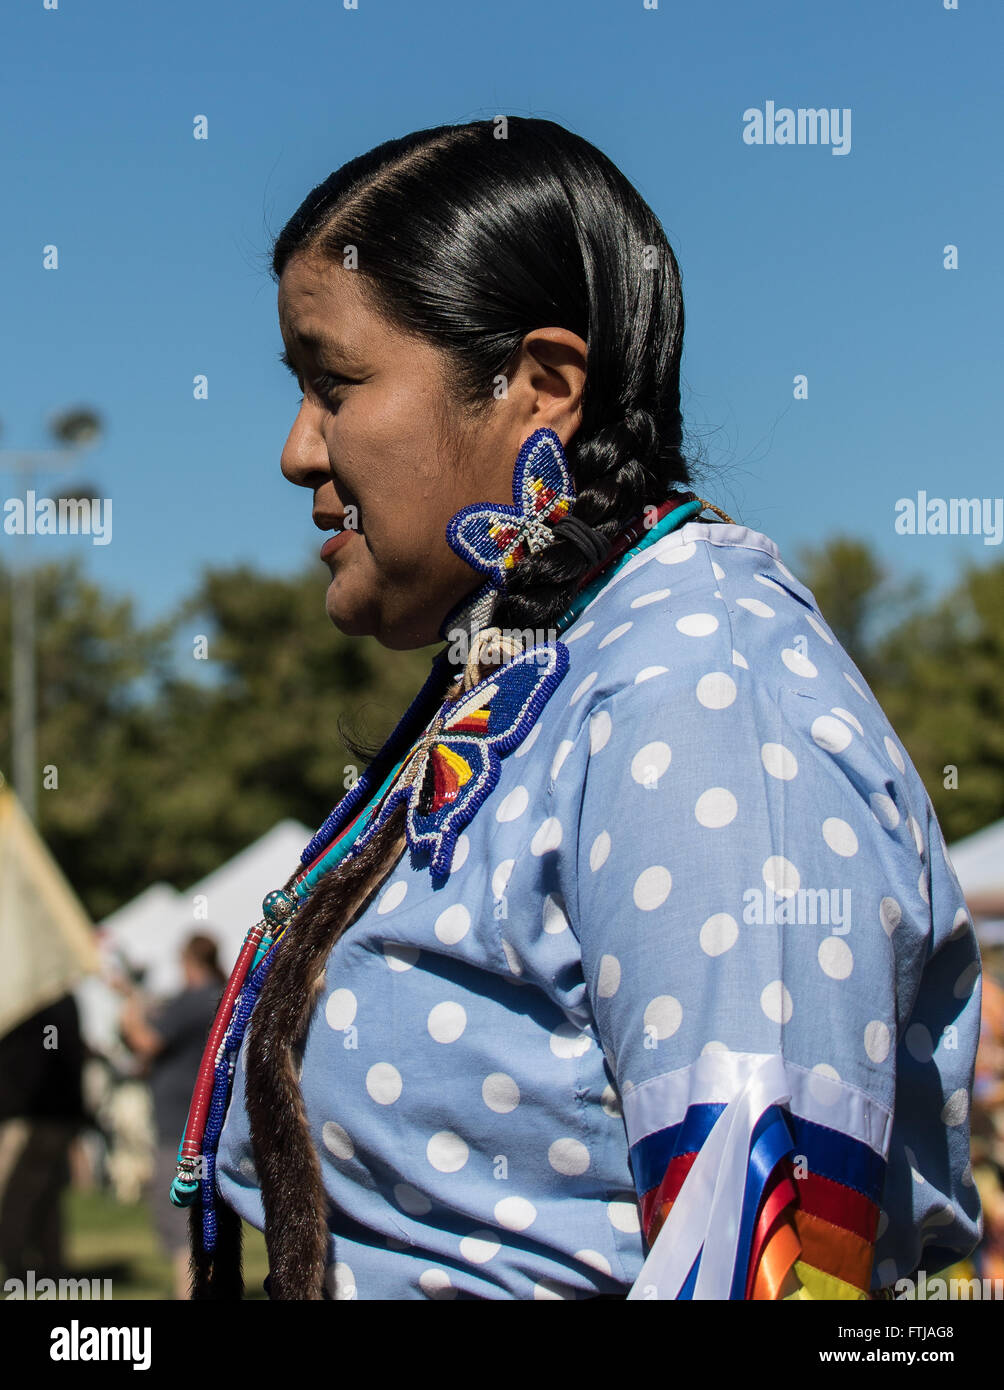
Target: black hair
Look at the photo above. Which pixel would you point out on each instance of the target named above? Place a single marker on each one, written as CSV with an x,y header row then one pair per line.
x,y
471,236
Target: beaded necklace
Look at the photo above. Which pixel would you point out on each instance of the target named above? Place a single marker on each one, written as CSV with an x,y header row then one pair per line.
x,y
331,844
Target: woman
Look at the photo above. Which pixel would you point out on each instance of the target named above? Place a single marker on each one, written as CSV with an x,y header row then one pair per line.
x,y
635,960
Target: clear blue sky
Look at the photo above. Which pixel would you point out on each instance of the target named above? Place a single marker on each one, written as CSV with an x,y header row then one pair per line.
x,y
794,259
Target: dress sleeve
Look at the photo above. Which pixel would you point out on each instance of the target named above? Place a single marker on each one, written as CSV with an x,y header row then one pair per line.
x,y
784,981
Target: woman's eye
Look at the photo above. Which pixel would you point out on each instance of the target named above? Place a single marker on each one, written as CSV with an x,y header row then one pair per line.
x,y
328,382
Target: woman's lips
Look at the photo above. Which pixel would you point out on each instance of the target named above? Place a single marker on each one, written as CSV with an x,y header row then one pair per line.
x,y
335,542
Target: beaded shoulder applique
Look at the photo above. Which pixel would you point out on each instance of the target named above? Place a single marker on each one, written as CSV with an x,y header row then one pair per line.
x,y
457,761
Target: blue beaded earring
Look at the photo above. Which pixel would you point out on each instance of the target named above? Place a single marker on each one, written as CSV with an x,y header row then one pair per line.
x,y
492,537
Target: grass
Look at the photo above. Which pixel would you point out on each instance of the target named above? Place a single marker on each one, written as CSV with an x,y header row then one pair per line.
x,y
106,1239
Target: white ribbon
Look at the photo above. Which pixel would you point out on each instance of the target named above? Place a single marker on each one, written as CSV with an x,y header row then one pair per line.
x,y
708,1209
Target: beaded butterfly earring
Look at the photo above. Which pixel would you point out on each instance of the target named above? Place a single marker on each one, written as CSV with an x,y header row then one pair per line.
x,y
493,537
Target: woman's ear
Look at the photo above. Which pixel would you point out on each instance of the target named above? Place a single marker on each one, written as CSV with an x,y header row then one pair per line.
x,y
549,378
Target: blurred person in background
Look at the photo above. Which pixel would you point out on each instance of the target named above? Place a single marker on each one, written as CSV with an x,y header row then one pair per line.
x,y
41,1112
170,1037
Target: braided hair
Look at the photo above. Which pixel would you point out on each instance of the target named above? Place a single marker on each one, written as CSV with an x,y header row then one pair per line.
x,y
470,236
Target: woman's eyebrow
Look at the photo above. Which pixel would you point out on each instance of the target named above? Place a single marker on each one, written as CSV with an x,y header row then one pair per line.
x,y
330,348
284,358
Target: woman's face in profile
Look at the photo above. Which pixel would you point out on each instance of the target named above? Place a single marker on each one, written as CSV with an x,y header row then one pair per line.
x,y
387,453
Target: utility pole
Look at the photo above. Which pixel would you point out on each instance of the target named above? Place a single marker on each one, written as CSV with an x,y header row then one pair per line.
x,y
74,430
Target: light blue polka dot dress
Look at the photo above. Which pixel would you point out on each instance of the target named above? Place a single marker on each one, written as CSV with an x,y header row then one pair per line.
x,y
710,850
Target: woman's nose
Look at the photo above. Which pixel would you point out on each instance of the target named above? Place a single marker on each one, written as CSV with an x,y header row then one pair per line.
x,y
304,459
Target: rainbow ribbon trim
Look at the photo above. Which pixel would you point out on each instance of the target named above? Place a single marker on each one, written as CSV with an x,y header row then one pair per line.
x,y
748,1167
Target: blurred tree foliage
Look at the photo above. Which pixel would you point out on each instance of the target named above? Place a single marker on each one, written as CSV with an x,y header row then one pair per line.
x,y
177,744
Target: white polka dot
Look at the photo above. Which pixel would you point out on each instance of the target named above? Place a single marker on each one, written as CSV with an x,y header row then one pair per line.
x,y
340,1280
553,917
512,959
567,1041
613,634
340,1009
713,1046
848,718
600,728
582,687
568,1156
479,1247
663,1016
888,1272
546,837
966,982
534,733
651,887
895,756
599,850
919,1043
610,1103
956,1107
624,1216
501,877
717,570
961,923
247,1168
922,887
608,982
655,596
515,1213
716,690
675,554
383,1082
781,876
594,1260
940,1216
967,1176
854,686
460,853
835,957
393,897
756,606
650,762
882,1225
447,1021
824,1084
779,761
884,810
337,1140
769,583
452,924
877,1040
435,1283
578,632
647,672
840,837
564,748
716,807
818,628
776,1002
412,1201
511,807
798,664
447,1152
550,1290
830,733
500,1093
738,660
719,934
890,915
697,625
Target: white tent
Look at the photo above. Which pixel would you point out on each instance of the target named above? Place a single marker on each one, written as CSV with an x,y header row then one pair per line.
x,y
145,936
46,937
978,861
